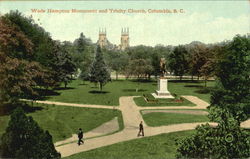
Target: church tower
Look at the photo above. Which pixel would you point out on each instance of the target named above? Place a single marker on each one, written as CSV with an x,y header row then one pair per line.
x,y
124,38
102,41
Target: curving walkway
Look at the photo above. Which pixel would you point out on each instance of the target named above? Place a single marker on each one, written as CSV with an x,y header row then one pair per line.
x,y
72,104
125,135
131,118
106,128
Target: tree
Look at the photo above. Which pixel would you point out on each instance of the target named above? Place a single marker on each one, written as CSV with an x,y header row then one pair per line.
x,y
98,71
197,57
66,66
17,76
225,141
82,54
230,102
140,68
42,46
84,75
140,52
178,61
116,61
41,40
210,59
81,43
158,53
232,91
17,79
24,138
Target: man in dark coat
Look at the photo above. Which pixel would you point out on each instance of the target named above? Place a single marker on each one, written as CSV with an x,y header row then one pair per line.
x,y
141,130
80,136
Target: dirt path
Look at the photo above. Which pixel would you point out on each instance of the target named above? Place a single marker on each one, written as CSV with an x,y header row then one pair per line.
x,y
132,118
73,104
130,112
106,128
125,135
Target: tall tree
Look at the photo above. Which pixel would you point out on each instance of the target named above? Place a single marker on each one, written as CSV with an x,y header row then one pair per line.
x,y
25,139
42,46
197,57
99,72
83,55
232,91
116,60
141,68
158,53
230,105
207,70
178,63
66,66
81,43
17,76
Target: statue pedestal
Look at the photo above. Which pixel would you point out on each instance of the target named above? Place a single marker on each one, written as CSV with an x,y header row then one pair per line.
x,y
162,91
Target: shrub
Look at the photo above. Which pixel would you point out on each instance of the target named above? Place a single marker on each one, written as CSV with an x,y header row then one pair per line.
x,y
25,139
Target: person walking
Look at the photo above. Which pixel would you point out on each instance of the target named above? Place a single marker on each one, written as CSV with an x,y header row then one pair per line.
x,y
141,130
80,136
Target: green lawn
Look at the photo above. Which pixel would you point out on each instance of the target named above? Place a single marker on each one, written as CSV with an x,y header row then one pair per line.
x,y
140,101
63,121
87,93
155,147
195,88
160,119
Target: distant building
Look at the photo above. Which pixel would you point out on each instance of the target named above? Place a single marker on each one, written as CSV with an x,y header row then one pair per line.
x,y
104,43
124,39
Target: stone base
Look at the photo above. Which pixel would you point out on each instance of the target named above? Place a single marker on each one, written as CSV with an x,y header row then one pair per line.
x,y
163,95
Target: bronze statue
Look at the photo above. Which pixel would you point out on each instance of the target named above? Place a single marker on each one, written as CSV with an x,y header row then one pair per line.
x,y
162,67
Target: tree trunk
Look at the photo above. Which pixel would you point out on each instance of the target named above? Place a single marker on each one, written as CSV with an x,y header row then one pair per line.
x,y
100,84
65,84
149,76
116,72
205,82
180,78
192,77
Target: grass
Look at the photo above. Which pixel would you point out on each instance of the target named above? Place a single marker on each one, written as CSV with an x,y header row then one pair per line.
x,y
195,88
160,119
63,121
140,101
87,93
155,147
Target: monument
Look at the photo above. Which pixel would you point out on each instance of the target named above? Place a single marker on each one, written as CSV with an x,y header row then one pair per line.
x,y
162,91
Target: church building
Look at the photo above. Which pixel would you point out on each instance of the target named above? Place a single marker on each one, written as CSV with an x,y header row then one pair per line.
x,y
104,43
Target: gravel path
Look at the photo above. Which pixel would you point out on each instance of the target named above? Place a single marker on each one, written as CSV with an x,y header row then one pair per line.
x,y
106,128
125,135
132,118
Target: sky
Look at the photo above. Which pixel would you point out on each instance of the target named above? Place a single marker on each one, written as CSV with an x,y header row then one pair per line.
x,y
205,21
